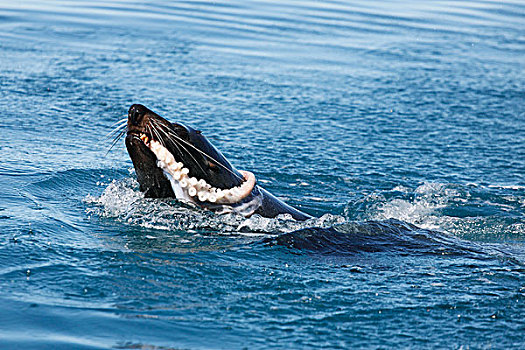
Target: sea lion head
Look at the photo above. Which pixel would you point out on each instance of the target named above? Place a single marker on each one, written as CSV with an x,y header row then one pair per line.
x,y
174,160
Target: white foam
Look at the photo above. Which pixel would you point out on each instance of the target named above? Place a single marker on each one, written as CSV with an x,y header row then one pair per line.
x,y
424,208
122,201
508,187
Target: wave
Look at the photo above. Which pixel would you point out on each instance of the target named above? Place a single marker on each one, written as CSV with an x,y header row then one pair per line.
x,y
391,236
122,200
328,235
477,212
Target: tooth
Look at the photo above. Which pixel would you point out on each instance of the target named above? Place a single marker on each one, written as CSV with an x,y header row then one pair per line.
x,y
185,171
183,183
202,183
220,193
176,175
192,191
212,198
193,181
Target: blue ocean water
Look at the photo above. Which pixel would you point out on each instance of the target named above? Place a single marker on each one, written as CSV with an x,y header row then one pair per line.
x,y
399,124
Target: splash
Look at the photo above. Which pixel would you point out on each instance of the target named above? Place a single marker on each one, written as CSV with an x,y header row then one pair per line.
x,y
423,209
122,200
471,211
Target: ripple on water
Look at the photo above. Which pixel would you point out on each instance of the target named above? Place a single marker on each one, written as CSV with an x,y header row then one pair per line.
x,y
402,121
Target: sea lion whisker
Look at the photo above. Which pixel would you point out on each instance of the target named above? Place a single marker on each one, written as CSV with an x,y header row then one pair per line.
x,y
117,138
179,146
150,132
120,121
154,126
116,128
162,142
171,133
115,131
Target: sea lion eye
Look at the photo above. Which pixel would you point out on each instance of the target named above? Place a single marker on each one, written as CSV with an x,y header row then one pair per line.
x,y
136,113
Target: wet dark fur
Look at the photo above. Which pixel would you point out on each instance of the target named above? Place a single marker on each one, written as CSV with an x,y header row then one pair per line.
x,y
197,154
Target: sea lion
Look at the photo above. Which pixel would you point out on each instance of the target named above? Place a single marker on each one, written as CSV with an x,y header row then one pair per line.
x,y
174,160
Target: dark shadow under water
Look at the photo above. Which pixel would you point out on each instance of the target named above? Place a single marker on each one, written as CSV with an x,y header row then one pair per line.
x,y
388,236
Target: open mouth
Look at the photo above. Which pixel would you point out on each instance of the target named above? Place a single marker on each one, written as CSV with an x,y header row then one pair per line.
x,y
173,160
192,188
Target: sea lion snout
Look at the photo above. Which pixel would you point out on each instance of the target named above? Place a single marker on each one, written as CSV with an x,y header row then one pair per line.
x,y
136,114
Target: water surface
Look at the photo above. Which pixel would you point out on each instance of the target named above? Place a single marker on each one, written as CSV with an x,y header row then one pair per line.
x,y
399,125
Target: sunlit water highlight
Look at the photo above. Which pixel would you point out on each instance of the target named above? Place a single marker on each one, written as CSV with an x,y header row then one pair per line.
x,y
399,125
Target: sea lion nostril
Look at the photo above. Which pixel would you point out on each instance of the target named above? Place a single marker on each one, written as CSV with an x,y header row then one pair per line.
x,y
135,114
